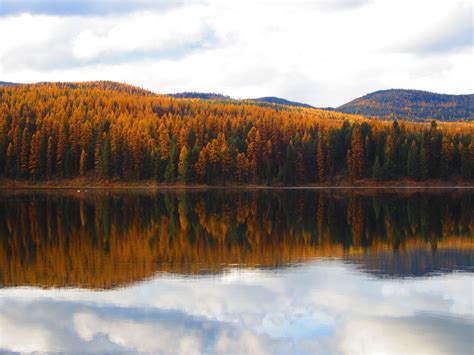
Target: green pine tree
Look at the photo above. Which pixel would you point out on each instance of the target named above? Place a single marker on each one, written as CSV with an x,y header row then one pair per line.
x,y
413,163
424,166
106,155
170,173
377,173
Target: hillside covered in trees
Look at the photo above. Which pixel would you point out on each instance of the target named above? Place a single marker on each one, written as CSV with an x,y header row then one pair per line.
x,y
200,95
262,101
7,83
109,131
412,105
280,101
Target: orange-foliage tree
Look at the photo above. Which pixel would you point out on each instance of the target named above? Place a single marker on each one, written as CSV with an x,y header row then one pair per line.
x,y
112,131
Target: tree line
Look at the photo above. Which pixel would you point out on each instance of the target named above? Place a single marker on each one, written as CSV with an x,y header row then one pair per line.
x,y
110,131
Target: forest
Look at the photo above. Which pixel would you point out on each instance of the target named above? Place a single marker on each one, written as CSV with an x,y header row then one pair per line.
x,y
107,131
412,105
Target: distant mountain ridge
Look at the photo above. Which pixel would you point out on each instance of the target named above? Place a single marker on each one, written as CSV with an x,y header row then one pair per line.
x,y
411,105
280,101
7,83
199,95
213,96
98,84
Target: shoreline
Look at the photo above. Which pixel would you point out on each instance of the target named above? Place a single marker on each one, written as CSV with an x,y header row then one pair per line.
x,y
151,185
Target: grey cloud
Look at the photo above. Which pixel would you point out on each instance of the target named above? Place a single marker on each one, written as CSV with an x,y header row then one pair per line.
x,y
455,32
459,38
85,7
335,5
58,53
297,86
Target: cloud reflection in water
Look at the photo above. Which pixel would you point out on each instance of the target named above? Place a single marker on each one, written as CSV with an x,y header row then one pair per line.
x,y
323,306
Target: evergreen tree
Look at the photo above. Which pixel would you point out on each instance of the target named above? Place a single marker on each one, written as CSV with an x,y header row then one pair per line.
x,y
377,173
158,165
466,162
106,159
61,153
320,159
424,168
193,156
413,163
288,171
170,173
10,162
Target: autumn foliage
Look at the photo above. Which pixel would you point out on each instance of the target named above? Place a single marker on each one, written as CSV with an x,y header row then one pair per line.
x,y
109,131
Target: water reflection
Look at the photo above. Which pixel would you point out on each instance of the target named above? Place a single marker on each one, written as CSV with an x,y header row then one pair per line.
x,y
319,307
107,239
236,272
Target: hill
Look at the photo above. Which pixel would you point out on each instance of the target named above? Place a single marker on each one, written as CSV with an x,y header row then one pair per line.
x,y
99,84
280,101
102,85
412,105
7,83
266,101
199,95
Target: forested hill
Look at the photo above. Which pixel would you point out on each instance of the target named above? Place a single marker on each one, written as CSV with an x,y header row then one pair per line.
x,y
200,95
110,131
7,83
280,101
412,105
262,101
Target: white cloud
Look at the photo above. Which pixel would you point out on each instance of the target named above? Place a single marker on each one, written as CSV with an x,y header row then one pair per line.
x,y
323,52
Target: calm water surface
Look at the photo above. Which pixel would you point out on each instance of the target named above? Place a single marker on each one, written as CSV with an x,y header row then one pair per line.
x,y
222,271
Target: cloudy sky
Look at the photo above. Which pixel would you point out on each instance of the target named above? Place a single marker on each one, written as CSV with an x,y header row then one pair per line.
x,y
323,52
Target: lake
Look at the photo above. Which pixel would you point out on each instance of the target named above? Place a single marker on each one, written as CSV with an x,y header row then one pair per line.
x,y
298,271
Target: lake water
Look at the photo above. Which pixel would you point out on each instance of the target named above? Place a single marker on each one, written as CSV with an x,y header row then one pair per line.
x,y
228,271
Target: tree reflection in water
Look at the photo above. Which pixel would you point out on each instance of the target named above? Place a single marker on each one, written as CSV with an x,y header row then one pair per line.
x,y
104,239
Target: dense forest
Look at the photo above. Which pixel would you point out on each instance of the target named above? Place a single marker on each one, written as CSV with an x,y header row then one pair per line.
x,y
412,105
91,239
110,131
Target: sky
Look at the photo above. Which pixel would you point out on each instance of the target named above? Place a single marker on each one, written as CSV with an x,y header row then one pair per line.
x,y
321,52
317,308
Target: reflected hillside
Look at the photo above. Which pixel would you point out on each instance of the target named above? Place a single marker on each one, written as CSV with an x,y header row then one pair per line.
x,y
100,239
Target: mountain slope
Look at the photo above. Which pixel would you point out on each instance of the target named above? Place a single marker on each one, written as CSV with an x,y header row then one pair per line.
x,y
412,104
213,96
199,95
280,101
7,83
